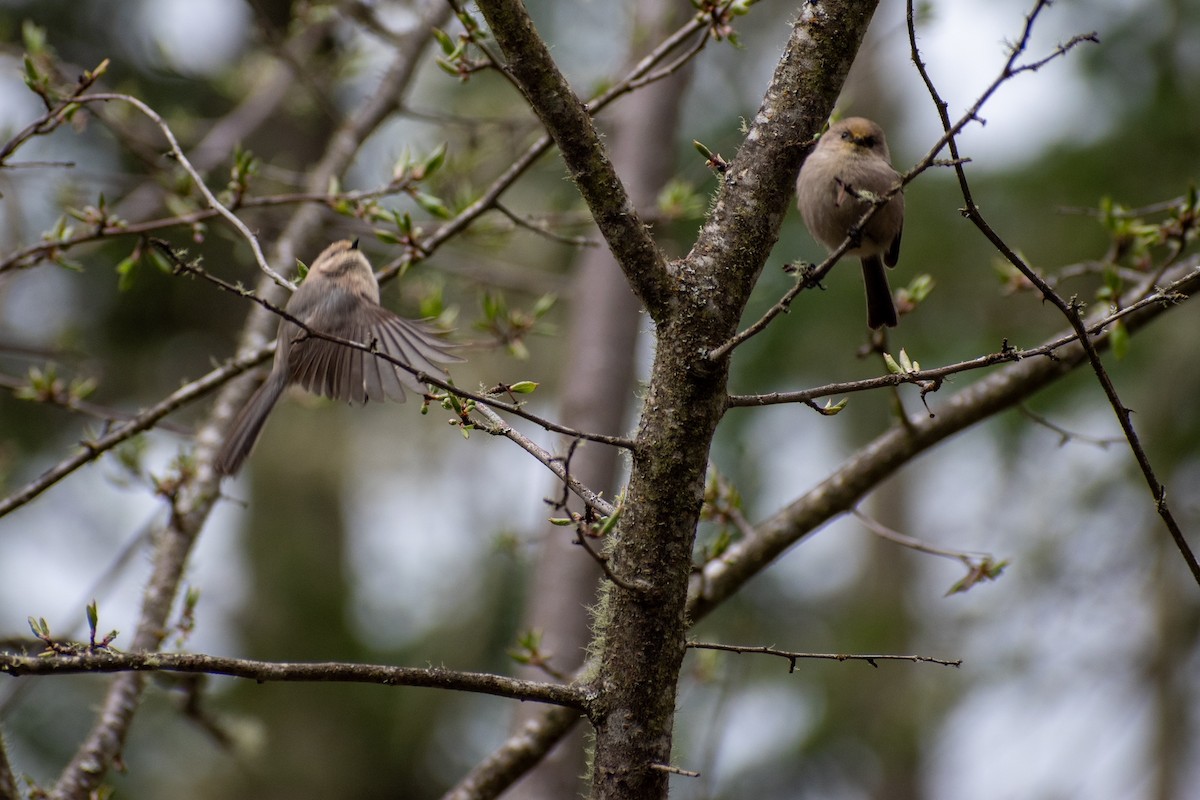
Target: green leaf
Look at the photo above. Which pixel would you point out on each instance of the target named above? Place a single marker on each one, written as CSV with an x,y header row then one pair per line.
x,y
33,78
493,305
98,71
518,350
920,287
385,236
160,261
125,273
82,388
831,409
544,304
524,387
447,67
444,39
432,205
432,163
33,37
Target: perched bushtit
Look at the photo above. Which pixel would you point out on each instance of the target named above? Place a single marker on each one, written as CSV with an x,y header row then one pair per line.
x,y
852,157
340,297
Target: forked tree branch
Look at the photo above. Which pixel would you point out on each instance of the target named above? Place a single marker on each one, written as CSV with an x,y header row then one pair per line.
x,y
845,487
1070,309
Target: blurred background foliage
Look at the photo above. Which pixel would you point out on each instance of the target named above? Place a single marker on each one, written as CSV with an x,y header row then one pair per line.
x,y
403,544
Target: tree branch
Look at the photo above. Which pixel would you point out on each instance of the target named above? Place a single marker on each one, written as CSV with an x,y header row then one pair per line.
x,y
567,120
524,748
113,661
845,487
143,421
178,154
196,496
794,657
1069,309
498,427
931,380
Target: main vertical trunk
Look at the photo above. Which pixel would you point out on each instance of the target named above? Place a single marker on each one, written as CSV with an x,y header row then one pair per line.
x,y
643,629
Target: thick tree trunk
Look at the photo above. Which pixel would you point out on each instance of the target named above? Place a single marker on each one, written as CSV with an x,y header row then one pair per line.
x,y
696,305
598,387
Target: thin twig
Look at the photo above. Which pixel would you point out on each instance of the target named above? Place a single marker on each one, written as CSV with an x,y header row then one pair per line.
x,y
26,256
94,448
178,154
794,657
637,585
687,773
499,427
542,230
1069,309
1065,435
54,116
931,379
896,537
64,399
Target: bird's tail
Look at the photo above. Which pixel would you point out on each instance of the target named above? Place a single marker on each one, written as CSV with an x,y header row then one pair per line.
x,y
881,310
248,425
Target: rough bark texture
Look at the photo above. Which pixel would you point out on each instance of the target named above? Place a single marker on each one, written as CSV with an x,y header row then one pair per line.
x,y
644,632
697,307
598,387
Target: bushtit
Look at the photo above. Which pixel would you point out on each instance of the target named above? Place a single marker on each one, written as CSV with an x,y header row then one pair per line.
x,y
852,157
340,297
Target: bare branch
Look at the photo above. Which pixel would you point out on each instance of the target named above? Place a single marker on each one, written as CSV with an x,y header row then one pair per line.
x,y
687,773
894,536
54,116
143,421
498,427
178,154
103,660
1070,309
794,657
1064,435
847,485
932,379
527,746
65,399
29,255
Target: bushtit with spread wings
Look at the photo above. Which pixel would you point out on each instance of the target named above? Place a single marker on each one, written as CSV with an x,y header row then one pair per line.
x,y
339,297
852,157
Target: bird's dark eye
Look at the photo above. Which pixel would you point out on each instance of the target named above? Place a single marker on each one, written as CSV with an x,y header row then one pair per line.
x,y
846,135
